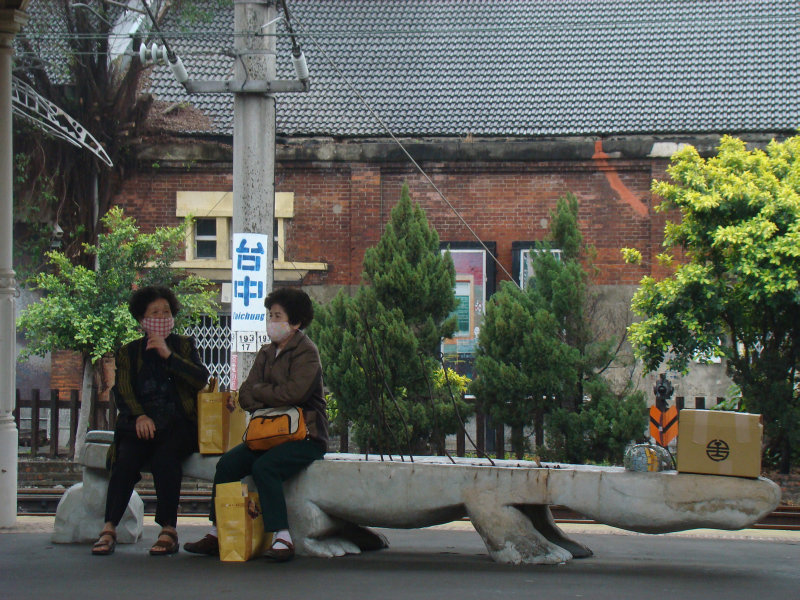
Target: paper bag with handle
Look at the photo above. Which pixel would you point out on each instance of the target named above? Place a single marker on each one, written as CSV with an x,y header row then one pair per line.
x,y
240,527
220,419
237,423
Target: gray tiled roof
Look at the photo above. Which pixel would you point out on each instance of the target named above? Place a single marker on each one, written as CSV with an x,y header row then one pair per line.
x,y
522,67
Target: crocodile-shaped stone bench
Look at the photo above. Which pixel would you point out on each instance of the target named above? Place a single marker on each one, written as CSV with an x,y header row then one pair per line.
x,y
334,502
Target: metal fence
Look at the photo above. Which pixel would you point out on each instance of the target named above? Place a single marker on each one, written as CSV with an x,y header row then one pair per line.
x,y
214,343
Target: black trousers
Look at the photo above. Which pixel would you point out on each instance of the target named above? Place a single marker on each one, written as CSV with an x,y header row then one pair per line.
x,y
164,455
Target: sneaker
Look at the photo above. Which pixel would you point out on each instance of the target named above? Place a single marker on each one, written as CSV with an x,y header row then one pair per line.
x,y
207,545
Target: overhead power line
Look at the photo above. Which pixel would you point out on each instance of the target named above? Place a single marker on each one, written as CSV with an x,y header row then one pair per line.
x,y
391,134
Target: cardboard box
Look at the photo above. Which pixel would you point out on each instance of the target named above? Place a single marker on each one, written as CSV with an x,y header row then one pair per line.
x,y
719,443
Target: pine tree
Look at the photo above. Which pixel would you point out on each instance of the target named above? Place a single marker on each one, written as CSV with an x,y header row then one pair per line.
x,y
380,347
407,271
539,353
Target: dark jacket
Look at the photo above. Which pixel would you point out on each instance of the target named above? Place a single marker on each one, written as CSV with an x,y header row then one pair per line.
x,y
293,378
184,366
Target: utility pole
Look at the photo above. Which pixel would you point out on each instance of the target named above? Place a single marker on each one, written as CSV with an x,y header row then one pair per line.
x,y
254,137
253,86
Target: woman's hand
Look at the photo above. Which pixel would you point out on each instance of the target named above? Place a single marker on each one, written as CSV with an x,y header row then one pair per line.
x,y
145,427
159,344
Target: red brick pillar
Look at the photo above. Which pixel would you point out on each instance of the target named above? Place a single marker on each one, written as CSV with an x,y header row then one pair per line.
x,y
66,372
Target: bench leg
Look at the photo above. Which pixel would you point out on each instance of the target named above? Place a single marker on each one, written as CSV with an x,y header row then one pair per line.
x,y
543,521
510,535
317,534
80,515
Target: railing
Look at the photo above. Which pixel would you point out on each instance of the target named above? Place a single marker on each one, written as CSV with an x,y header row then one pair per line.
x,y
43,433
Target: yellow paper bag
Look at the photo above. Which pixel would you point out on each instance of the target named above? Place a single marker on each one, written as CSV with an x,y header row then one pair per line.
x,y
240,527
237,423
218,429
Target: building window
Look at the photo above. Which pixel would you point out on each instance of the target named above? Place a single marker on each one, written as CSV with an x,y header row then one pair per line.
x,y
278,249
475,277
208,243
523,255
205,238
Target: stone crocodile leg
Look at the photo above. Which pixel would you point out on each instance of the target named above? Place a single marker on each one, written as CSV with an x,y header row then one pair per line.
x,y
365,538
543,521
318,534
510,535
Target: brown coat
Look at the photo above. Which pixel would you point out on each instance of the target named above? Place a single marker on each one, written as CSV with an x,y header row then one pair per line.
x,y
293,378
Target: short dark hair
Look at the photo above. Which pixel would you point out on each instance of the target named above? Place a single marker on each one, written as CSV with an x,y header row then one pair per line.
x,y
295,302
141,299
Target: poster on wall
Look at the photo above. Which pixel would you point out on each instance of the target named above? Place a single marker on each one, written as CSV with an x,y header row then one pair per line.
x,y
463,308
470,290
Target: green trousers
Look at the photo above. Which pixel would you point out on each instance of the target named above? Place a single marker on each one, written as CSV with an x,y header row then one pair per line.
x,y
269,469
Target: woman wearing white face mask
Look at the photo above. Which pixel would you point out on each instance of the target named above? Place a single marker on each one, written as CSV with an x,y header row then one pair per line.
x,y
158,377
286,372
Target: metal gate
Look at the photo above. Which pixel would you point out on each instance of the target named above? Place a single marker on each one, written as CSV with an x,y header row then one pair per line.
x,y
214,344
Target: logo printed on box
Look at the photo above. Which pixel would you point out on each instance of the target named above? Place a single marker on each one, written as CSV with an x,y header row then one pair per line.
x,y
717,450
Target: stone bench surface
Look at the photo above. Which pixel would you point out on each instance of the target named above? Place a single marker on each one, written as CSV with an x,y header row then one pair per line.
x,y
334,502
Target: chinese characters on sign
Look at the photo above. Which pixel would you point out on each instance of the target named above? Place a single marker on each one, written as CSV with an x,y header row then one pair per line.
x,y
249,283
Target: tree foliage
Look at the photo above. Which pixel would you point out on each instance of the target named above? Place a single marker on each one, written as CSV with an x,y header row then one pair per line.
x,y
87,310
601,429
522,363
737,292
541,353
380,347
63,53
71,54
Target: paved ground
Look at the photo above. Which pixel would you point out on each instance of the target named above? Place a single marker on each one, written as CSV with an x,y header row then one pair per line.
x,y
440,562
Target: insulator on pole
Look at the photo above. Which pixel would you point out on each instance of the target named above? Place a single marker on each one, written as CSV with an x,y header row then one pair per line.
x,y
300,66
179,71
154,53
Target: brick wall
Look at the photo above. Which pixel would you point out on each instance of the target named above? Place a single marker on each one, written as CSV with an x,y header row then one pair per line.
x,y
150,194
342,208
66,372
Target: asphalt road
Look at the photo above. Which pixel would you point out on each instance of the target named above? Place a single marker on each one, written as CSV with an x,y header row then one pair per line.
x,y
442,562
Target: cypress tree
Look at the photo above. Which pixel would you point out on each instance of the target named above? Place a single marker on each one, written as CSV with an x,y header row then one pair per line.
x,y
540,356
380,348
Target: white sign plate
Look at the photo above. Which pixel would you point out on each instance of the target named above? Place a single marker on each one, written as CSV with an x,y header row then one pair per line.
x,y
249,341
249,283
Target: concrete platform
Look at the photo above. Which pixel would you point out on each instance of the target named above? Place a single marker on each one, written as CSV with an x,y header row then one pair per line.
x,y
447,561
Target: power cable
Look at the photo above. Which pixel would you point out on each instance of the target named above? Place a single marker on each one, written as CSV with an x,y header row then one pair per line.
x,y
405,151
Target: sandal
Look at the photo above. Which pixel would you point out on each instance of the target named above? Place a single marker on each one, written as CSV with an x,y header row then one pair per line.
x,y
280,554
165,547
102,547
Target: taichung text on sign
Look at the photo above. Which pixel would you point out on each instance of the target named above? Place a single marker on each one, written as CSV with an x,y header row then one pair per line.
x,y
249,289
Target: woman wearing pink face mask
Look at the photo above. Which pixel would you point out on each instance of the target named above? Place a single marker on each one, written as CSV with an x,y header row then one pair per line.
x,y
158,377
286,372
